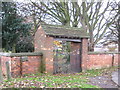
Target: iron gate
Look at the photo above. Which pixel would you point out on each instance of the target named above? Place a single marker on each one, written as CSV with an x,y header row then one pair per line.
x,y
66,58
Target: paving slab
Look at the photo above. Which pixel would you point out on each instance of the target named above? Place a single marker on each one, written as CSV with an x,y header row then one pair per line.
x,y
106,80
115,77
103,82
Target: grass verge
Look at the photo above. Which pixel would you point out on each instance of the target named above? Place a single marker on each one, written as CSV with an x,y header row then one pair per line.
x,y
77,80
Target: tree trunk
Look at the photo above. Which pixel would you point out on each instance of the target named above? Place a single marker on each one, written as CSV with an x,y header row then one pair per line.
x,y
14,48
119,34
118,27
91,46
119,43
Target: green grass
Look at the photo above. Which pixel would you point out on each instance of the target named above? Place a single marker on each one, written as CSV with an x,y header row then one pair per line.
x,y
78,80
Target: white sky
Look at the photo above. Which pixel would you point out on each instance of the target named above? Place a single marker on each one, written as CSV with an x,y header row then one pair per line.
x,y
61,0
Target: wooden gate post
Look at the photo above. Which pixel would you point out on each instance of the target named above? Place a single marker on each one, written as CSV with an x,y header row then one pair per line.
x,y
1,77
8,71
55,62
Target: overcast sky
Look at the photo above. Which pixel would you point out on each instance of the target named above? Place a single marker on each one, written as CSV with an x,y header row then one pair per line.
x,y
58,0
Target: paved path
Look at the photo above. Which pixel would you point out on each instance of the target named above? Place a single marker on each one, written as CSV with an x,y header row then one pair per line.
x,y
116,76
108,80
102,82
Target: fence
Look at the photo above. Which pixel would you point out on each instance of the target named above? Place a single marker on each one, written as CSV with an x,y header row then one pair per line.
x,y
20,63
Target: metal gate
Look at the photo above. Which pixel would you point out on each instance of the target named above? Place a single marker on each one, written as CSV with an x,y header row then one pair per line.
x,y
66,58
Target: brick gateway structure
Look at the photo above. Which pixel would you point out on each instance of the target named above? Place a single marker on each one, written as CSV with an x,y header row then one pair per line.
x,y
82,60
44,42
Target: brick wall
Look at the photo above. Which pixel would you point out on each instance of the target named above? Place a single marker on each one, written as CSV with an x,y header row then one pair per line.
x,y
32,65
44,44
101,60
18,67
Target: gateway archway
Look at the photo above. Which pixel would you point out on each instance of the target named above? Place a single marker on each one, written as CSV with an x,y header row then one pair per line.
x,y
67,56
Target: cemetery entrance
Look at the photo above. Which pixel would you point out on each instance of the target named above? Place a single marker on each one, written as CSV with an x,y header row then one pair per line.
x,y
67,56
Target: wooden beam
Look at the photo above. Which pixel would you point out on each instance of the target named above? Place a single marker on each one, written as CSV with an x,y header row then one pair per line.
x,y
8,71
65,39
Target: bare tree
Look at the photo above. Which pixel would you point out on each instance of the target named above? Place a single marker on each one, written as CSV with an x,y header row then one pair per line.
x,y
31,13
115,26
89,15
93,20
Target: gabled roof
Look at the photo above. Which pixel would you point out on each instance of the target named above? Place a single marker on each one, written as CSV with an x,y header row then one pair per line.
x,y
64,32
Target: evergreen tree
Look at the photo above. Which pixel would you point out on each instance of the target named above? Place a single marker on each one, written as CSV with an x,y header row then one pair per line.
x,y
14,27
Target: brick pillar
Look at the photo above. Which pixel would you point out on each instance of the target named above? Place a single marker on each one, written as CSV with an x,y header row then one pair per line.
x,y
48,54
49,61
44,44
84,53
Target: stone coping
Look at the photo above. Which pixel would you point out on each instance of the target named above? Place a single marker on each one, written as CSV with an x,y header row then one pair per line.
x,y
21,54
103,52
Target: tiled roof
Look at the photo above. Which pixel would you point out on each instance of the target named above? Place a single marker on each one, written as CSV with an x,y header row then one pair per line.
x,y
64,32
